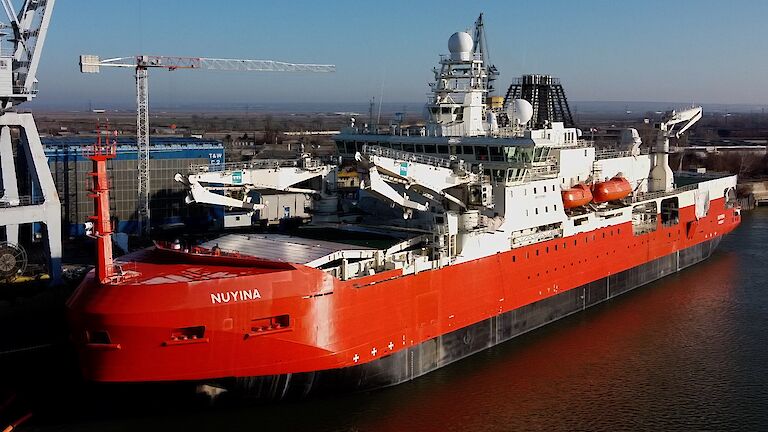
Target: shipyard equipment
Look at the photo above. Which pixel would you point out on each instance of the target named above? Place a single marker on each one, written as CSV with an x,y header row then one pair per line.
x,y
141,64
36,200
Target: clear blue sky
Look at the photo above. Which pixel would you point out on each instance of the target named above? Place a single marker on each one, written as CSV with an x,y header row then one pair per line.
x,y
652,50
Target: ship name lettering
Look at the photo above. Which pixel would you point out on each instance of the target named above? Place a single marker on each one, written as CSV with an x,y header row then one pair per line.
x,y
235,296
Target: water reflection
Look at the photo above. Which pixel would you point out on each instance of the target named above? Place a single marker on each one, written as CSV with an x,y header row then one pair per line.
x,y
686,352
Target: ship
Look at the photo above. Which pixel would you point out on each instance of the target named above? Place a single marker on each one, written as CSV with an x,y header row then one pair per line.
x,y
476,228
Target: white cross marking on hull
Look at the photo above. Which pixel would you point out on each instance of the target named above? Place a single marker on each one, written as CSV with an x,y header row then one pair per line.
x,y
355,358
391,345
374,351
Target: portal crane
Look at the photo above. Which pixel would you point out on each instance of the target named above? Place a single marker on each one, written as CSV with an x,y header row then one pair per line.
x,y
673,124
21,45
141,64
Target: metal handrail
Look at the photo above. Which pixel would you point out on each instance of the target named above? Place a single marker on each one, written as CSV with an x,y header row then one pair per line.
x,y
611,153
646,196
257,164
407,156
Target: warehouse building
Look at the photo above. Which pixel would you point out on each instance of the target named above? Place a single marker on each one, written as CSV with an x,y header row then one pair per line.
x,y
168,156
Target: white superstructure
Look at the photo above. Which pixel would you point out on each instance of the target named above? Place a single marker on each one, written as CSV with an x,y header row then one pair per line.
x,y
477,180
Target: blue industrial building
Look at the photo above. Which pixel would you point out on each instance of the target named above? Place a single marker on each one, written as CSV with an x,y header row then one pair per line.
x,y
168,156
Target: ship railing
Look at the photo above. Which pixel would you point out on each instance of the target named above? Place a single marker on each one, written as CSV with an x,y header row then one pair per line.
x,y
611,153
536,79
535,172
407,156
447,57
254,164
709,175
581,143
647,196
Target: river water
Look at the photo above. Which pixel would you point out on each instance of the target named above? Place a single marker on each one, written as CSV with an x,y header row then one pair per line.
x,y
689,352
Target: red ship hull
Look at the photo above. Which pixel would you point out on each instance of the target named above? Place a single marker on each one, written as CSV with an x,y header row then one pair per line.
x,y
283,331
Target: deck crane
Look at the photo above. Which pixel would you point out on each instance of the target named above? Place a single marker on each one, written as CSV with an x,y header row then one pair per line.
x,y
673,124
141,64
21,44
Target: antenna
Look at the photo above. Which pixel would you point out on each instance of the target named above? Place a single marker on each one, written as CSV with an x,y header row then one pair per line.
x,y
481,47
381,99
371,104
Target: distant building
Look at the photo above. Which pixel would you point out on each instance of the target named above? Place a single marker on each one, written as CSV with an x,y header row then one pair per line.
x,y
168,156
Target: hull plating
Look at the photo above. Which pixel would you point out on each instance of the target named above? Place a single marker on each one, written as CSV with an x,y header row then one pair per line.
x,y
442,350
372,331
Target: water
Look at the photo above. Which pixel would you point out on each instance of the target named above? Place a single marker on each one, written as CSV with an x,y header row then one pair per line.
x,y
688,352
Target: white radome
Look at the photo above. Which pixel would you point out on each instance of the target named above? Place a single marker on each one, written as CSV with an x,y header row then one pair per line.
x,y
520,111
460,46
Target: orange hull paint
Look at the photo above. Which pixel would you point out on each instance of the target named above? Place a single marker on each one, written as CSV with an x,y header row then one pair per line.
x,y
332,323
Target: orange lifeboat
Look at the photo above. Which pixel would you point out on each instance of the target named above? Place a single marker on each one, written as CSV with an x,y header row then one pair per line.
x,y
611,190
576,196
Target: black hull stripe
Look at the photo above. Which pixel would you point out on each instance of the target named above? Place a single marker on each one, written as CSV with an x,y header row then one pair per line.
x,y
442,350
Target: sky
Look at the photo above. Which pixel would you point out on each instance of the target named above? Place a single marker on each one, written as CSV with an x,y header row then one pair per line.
x,y
701,51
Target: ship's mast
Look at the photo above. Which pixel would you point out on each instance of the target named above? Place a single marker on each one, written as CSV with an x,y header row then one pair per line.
x,y
457,104
100,226
481,48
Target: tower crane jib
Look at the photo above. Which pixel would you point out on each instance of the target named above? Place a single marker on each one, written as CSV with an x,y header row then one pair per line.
x,y
142,64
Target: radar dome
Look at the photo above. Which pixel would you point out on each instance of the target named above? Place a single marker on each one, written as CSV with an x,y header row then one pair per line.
x,y
520,111
460,46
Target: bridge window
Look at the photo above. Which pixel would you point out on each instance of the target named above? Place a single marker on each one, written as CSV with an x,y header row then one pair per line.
x,y
495,153
481,152
408,148
442,149
466,149
429,148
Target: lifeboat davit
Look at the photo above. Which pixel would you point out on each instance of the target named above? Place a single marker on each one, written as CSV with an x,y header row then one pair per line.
x,y
611,190
576,196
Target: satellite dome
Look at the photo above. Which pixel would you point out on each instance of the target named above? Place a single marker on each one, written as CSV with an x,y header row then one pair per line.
x,y
520,111
460,46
